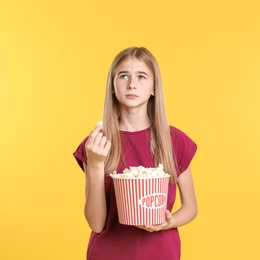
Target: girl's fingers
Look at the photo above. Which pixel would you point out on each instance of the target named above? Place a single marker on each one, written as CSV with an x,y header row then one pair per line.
x,y
99,139
93,134
97,142
107,146
102,141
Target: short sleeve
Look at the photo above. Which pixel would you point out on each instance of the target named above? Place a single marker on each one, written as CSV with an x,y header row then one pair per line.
x,y
80,154
184,149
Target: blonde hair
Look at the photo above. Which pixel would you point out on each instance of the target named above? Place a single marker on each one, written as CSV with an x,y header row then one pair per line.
x,y
161,143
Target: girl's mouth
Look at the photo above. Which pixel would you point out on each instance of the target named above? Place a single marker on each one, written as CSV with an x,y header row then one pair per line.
x,y
131,96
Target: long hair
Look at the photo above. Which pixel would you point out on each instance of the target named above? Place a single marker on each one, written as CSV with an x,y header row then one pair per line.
x,y
161,143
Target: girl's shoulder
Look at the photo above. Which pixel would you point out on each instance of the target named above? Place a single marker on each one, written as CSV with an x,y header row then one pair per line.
x,y
184,148
176,133
180,138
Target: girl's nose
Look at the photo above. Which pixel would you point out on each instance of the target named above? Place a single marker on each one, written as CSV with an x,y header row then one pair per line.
x,y
131,84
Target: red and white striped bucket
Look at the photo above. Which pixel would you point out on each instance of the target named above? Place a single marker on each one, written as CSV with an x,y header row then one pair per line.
x,y
141,201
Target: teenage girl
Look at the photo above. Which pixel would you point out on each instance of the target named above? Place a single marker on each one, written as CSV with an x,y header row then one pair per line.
x,y
136,132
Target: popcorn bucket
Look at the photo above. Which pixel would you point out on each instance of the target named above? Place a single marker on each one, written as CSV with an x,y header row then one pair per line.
x,y
141,201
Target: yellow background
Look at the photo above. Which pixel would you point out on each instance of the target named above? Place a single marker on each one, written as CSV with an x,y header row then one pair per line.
x,y
54,58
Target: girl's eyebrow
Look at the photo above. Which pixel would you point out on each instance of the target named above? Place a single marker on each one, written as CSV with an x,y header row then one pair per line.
x,y
142,72
124,71
138,72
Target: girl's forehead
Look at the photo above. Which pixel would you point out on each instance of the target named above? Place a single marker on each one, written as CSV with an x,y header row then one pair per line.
x,y
131,63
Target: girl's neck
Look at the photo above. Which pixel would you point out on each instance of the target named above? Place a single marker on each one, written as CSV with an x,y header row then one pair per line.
x,y
133,121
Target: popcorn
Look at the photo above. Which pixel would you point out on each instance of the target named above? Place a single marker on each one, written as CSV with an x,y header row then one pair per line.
x,y
140,172
141,195
99,123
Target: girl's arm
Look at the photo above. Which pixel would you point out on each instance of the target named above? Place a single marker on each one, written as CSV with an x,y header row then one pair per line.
x,y
188,210
97,148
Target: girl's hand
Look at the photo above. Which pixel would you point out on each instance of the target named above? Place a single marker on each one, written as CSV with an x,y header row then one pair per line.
x,y
188,210
97,146
164,226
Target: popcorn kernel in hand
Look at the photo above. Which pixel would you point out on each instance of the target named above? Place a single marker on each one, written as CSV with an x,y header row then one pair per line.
x,y
99,123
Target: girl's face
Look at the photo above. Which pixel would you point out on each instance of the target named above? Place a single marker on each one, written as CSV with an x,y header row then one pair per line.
x,y
133,84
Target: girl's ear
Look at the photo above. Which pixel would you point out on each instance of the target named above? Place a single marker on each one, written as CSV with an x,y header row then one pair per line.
x,y
153,93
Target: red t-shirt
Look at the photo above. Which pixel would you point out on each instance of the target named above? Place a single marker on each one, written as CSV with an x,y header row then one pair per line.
x,y
123,242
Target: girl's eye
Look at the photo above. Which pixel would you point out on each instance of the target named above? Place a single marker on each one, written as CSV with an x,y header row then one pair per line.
x,y
123,76
141,77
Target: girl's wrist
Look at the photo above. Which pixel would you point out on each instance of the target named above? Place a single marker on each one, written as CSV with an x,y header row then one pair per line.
x,y
96,167
96,164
